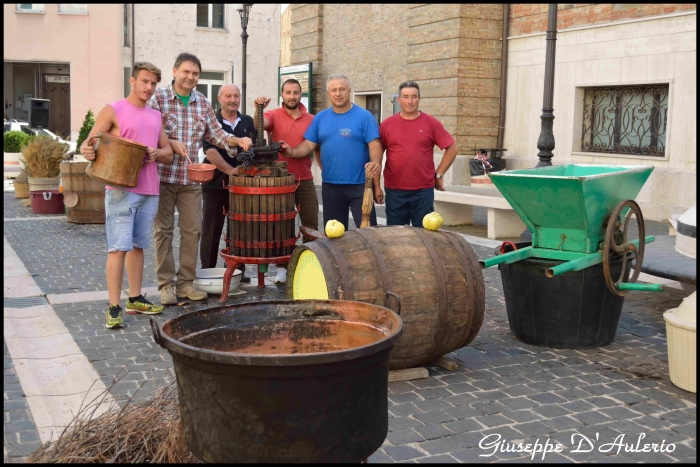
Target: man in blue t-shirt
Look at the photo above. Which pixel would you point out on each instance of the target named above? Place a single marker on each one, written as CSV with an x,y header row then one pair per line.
x,y
349,139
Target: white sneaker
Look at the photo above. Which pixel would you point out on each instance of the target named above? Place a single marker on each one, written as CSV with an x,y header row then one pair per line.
x,y
281,276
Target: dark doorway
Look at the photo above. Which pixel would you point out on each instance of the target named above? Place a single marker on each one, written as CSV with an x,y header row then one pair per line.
x,y
374,105
57,90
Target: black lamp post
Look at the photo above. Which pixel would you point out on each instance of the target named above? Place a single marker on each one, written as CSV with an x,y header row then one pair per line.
x,y
244,11
545,143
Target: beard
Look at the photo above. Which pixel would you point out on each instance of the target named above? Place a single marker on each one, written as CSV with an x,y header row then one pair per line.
x,y
291,107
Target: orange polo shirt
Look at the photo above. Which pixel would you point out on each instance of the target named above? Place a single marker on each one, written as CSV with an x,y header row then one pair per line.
x,y
284,127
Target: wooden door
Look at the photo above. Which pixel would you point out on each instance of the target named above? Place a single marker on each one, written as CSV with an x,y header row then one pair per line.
x,y
59,109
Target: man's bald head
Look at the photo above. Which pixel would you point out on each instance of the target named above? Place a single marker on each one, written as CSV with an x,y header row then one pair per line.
x,y
229,88
229,99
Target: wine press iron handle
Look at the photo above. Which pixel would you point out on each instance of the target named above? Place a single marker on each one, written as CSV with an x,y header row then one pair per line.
x,y
616,243
397,300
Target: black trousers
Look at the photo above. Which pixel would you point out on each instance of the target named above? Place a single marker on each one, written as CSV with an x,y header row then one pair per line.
x,y
213,219
338,198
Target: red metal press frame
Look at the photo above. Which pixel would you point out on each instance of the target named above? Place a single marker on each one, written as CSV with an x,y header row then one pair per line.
x,y
232,262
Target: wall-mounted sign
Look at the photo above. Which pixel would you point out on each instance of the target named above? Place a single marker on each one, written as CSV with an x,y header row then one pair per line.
x,y
57,79
301,73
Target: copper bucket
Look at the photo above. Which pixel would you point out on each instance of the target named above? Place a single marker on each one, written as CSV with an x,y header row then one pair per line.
x,y
118,161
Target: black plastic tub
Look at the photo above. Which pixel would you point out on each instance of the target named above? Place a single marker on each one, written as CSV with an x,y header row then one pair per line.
x,y
283,381
570,311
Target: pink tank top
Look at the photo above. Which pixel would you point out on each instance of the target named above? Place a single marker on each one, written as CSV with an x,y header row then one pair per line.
x,y
142,125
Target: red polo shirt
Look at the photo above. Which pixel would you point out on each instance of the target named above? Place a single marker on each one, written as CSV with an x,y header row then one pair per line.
x,y
284,127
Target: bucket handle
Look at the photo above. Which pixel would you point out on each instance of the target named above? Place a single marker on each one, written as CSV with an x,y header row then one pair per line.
x,y
398,302
97,143
156,333
47,193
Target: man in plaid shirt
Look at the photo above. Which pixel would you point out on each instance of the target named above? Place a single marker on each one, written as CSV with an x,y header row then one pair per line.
x,y
187,117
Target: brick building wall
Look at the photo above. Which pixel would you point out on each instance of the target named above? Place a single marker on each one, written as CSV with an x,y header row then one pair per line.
x,y
529,18
285,37
452,51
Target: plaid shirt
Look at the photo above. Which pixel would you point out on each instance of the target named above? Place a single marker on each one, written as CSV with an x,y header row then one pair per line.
x,y
187,125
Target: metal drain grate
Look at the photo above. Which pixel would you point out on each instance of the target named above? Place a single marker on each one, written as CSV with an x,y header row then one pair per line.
x,y
24,302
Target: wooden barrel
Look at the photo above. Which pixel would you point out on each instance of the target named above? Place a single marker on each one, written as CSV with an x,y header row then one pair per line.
x,y
435,274
262,213
84,197
118,160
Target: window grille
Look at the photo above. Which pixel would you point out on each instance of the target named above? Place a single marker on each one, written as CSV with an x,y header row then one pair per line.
x,y
625,120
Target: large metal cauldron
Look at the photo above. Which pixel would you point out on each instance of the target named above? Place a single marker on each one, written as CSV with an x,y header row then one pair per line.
x,y
283,381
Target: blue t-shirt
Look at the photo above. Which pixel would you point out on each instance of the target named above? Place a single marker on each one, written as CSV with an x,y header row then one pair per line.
x,y
343,139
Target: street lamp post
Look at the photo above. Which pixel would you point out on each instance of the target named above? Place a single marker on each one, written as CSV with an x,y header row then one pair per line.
x,y
545,143
244,11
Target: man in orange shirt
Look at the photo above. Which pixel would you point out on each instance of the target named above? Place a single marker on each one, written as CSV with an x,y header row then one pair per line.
x,y
289,123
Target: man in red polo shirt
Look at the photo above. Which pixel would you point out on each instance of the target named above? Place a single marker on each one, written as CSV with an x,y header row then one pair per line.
x,y
289,123
410,176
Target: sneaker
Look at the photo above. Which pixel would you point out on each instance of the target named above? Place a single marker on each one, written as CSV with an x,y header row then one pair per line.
x,y
114,317
141,305
189,291
167,295
281,276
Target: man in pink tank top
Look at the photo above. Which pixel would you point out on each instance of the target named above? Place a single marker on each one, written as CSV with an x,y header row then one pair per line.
x,y
131,211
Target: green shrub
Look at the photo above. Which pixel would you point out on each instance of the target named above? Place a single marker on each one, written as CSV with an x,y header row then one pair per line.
x,y
88,123
14,141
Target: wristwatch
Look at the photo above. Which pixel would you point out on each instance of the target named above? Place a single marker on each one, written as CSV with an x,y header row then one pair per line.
x,y
438,176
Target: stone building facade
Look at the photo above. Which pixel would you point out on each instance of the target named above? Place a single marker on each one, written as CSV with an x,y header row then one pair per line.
x,y
79,55
285,37
454,53
218,46
609,47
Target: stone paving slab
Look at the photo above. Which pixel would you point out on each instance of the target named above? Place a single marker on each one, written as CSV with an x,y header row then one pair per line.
x,y
20,436
503,388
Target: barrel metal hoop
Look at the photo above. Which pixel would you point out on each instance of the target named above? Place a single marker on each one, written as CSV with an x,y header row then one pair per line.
x,y
343,268
265,190
379,257
285,216
265,245
441,288
470,283
335,288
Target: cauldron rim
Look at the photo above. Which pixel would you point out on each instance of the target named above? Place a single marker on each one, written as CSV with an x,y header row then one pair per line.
x,y
281,360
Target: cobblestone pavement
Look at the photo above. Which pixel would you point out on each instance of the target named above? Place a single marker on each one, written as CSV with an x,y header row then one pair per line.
x,y
20,437
503,387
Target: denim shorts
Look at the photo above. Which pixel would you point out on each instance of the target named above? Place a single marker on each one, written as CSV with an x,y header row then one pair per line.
x,y
130,219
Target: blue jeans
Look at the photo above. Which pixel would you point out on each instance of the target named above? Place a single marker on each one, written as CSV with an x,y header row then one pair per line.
x,y
130,219
404,206
338,198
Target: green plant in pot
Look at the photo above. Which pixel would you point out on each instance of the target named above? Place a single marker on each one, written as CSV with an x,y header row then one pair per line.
x,y
85,129
13,141
42,157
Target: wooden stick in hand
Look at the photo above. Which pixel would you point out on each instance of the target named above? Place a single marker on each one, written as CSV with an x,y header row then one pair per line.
x,y
367,201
